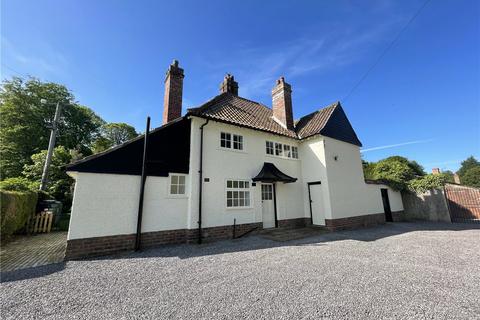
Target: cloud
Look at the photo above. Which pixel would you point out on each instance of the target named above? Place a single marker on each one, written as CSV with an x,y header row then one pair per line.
x,y
396,145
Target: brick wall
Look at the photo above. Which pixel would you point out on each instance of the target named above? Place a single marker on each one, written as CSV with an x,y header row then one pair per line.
x,y
294,223
463,203
355,222
99,246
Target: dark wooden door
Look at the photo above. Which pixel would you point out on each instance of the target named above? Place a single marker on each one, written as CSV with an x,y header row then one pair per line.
x,y
386,205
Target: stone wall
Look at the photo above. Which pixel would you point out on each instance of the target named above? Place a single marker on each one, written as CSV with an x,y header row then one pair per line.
x,y
429,206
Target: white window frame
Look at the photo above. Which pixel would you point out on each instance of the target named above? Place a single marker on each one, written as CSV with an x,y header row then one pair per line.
x,y
270,145
285,151
232,140
178,184
235,188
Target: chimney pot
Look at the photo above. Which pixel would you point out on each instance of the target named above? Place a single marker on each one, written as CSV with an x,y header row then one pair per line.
x,y
436,170
229,85
172,101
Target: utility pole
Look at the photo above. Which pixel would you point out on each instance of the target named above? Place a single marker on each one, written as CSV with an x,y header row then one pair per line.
x,y
51,146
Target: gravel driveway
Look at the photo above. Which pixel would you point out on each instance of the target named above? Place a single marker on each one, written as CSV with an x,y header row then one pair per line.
x,y
395,271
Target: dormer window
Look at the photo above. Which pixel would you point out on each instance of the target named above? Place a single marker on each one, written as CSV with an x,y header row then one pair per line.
x,y
231,141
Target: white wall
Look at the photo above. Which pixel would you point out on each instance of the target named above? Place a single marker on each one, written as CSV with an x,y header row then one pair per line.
x,y
349,194
220,164
107,204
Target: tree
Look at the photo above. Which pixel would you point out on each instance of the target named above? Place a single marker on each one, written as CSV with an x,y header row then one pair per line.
x,y
368,168
113,134
467,164
25,122
59,183
472,177
395,171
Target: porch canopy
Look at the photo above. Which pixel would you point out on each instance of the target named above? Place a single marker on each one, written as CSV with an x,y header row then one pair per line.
x,y
270,173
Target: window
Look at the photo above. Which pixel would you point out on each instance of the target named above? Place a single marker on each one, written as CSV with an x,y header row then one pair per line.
x,y
281,150
295,152
238,194
177,184
267,192
237,142
278,149
269,147
226,141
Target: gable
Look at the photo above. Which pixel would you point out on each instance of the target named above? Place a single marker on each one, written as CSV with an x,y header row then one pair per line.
x,y
168,151
338,127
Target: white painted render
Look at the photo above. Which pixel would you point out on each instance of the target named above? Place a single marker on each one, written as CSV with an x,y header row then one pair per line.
x,y
107,204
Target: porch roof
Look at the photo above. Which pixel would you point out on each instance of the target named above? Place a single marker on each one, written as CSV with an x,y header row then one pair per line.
x,y
270,173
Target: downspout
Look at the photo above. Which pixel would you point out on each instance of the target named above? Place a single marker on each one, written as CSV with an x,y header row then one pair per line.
x,y
142,187
200,186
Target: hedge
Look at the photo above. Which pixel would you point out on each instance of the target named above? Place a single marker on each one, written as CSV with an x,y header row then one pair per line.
x,y
16,208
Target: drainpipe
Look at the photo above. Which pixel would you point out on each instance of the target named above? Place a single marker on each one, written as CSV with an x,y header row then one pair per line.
x,y
200,187
142,187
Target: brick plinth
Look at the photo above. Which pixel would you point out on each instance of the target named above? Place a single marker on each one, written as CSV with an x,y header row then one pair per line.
x,y
355,222
100,246
398,216
294,223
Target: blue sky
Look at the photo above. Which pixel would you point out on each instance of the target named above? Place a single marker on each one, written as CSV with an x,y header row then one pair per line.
x,y
420,101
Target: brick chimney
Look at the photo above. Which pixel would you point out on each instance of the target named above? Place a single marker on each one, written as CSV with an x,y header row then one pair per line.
x,y
456,178
172,101
436,170
282,103
229,85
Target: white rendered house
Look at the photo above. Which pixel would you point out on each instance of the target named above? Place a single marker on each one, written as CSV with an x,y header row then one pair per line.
x,y
229,164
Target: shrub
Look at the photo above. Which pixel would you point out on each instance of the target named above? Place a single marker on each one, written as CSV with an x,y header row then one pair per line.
x,y
16,208
427,182
64,223
18,184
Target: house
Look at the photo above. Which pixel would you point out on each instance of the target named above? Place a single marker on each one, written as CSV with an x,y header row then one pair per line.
x,y
231,163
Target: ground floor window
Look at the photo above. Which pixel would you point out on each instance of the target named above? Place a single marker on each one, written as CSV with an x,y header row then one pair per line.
x,y
177,184
238,194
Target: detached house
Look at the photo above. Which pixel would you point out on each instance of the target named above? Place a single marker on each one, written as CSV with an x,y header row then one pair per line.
x,y
230,161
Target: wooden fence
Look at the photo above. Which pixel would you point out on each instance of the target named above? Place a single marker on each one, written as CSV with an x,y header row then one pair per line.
x,y
40,222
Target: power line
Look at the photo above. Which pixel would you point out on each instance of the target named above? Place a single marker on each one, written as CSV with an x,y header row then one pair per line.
x,y
11,69
386,50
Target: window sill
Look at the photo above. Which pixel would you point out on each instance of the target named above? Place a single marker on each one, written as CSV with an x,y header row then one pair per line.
x,y
278,157
231,150
239,208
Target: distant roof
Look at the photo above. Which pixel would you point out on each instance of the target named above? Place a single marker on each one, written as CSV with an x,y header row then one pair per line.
x,y
330,121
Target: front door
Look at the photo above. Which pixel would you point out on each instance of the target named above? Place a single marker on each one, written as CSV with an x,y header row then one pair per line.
x,y
386,205
317,209
268,213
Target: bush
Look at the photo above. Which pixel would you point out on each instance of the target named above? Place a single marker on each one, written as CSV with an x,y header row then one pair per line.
x,y
64,223
18,184
16,208
428,182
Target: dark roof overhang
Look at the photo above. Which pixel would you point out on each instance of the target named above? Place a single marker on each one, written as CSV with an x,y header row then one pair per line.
x,y
270,173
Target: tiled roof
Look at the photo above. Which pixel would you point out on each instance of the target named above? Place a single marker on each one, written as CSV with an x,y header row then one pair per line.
x,y
229,108
226,107
314,122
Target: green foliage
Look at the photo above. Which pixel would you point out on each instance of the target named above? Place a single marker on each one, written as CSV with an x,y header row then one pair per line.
x,y
59,183
471,177
25,122
113,134
16,208
394,171
18,184
63,223
449,176
467,164
368,168
427,182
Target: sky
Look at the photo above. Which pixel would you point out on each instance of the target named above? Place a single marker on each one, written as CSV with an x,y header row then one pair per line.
x,y
409,87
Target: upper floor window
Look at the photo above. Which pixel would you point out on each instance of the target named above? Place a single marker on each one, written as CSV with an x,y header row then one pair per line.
x,y
231,141
177,184
281,150
269,147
